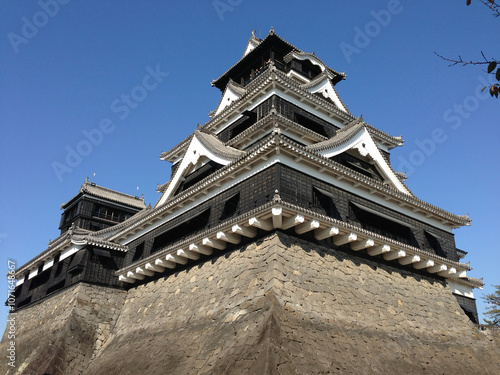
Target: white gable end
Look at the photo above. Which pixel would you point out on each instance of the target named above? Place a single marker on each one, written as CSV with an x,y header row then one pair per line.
x,y
363,143
326,89
252,43
196,153
229,96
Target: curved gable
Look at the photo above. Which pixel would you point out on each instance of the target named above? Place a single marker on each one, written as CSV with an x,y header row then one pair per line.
x,y
202,147
232,93
325,88
359,139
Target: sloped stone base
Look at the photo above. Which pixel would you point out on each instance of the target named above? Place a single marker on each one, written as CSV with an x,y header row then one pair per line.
x,y
62,334
285,306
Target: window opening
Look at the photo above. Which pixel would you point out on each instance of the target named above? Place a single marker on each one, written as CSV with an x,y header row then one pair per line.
x,y
139,251
378,223
434,244
324,200
184,229
231,207
310,124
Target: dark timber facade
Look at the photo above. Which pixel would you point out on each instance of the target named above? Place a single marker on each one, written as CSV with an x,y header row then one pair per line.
x,y
280,153
77,256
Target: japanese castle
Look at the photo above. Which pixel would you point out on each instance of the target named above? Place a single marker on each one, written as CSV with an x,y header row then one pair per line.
x,y
280,153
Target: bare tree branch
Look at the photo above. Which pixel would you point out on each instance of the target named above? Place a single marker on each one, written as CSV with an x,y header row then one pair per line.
x,y
495,8
463,62
493,64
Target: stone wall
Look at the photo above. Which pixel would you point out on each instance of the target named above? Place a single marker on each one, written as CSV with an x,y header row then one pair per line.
x,y
279,305
283,306
61,334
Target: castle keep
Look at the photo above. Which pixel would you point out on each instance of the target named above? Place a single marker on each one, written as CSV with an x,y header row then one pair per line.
x,y
284,242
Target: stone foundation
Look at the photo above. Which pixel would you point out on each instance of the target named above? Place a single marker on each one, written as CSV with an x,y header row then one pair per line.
x,y
277,306
62,334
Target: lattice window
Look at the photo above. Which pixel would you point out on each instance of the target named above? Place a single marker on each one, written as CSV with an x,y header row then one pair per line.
x,y
379,223
310,124
358,165
184,229
324,201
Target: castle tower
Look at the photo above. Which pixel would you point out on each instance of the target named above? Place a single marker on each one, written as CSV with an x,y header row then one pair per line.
x,y
78,255
96,207
283,242
282,152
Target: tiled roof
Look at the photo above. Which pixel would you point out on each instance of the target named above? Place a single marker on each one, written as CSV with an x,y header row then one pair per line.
x,y
271,34
294,85
270,144
253,42
231,85
212,143
471,281
172,154
386,189
327,74
279,121
282,211
289,57
348,131
266,78
343,135
73,236
91,188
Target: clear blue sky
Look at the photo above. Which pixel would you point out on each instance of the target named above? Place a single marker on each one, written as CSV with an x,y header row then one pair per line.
x,y
66,69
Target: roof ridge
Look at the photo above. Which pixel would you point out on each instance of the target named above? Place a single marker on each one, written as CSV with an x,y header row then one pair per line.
x,y
269,35
93,184
464,219
276,137
98,191
341,136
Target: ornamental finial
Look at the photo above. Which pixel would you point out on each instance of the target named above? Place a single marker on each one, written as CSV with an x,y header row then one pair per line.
x,y
276,197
